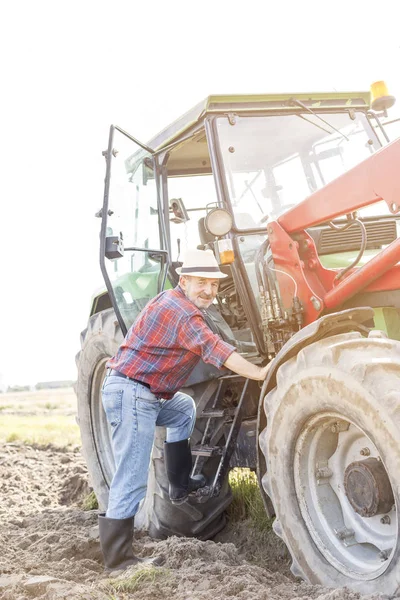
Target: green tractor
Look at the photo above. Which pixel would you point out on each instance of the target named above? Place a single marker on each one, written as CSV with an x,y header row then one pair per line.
x,y
298,196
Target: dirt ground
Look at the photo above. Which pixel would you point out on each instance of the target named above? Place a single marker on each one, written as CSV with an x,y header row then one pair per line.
x,y
49,546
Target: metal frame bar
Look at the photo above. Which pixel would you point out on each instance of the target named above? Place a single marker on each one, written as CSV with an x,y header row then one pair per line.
x,y
103,229
128,135
372,115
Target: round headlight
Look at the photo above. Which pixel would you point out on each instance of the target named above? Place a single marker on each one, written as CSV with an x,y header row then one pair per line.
x,y
218,222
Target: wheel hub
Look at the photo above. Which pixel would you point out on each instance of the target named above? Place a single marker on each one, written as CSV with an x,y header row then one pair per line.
x,y
341,497
368,487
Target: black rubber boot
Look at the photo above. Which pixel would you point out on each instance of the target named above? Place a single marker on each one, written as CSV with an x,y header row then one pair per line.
x,y
178,464
116,537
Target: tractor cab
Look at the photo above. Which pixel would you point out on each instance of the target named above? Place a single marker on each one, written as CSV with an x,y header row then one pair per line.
x,y
215,178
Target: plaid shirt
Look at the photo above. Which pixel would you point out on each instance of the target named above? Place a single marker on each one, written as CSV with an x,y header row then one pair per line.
x,y
166,342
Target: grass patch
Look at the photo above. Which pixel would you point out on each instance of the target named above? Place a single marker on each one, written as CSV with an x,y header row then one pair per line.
x,y
90,502
145,576
247,503
61,400
249,527
59,430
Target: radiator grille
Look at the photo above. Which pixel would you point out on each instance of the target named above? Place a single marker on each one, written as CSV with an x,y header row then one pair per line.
x,y
379,233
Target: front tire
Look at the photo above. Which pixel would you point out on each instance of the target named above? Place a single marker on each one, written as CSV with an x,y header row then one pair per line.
x,y
100,341
335,413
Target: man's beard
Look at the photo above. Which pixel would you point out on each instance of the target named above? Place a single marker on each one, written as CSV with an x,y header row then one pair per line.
x,y
196,300
209,300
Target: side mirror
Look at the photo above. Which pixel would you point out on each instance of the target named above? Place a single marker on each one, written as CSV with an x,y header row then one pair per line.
x,y
114,247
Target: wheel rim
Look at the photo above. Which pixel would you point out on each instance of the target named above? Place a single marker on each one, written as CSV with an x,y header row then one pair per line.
x,y
101,430
358,546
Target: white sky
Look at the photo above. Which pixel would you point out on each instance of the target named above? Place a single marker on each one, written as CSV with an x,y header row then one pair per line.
x,y
70,69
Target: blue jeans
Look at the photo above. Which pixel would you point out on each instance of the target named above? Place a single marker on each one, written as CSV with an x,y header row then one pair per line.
x,y
133,413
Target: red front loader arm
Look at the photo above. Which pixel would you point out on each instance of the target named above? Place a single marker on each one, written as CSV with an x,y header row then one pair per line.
x,y
375,179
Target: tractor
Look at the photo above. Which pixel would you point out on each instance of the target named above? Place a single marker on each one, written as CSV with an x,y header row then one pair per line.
x,y
298,196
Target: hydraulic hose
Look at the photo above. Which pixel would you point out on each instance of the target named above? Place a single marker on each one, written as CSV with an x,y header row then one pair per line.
x,y
363,244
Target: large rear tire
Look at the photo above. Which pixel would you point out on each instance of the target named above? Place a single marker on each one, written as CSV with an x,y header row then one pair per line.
x,y
99,342
332,448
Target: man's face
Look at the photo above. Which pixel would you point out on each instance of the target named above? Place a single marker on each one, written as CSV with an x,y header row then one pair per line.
x,y
199,290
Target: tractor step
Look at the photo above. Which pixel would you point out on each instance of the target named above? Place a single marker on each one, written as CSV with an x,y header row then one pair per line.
x,y
217,413
203,451
207,451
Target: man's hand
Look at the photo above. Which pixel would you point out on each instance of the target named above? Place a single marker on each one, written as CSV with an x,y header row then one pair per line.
x,y
241,366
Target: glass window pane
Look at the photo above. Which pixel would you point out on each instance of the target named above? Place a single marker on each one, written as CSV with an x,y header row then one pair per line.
x,y
133,212
135,279
272,163
196,193
133,195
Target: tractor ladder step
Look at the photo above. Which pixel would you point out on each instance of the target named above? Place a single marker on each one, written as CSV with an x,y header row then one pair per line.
x,y
207,451
216,413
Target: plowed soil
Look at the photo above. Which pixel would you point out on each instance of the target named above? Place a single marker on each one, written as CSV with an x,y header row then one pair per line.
x,y
49,545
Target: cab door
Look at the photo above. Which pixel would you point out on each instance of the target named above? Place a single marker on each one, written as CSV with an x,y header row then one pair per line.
x,y
133,256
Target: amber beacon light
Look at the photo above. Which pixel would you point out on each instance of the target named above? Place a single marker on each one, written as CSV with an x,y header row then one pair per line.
x,y
380,97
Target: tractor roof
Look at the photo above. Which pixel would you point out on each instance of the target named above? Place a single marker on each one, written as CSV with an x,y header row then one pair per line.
x,y
190,154
251,103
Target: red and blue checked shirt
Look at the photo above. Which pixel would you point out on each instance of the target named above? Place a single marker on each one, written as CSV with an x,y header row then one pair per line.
x,y
165,343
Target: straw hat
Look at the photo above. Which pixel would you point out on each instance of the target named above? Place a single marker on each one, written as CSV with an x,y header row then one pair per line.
x,y
200,263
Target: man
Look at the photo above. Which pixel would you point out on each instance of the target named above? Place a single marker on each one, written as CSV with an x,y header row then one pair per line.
x,y
160,350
